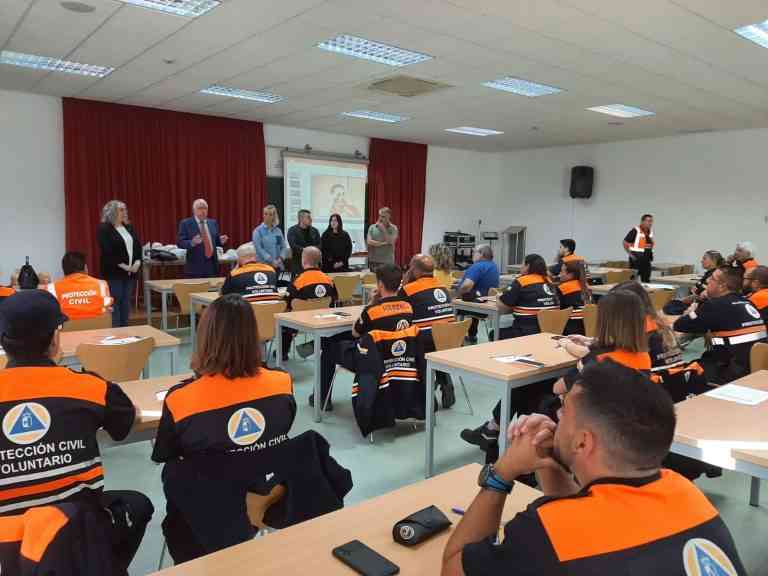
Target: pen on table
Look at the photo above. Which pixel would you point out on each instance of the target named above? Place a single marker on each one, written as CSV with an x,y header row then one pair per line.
x,y
506,355
459,511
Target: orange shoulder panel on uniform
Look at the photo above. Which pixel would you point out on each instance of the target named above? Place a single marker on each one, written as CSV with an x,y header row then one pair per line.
x,y
749,264
423,283
670,504
42,525
197,396
6,291
386,309
29,382
650,325
636,360
572,258
253,267
570,287
529,279
379,335
760,298
309,277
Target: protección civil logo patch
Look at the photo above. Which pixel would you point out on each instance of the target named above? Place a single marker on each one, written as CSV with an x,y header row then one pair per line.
x,y
260,278
320,290
399,347
246,426
26,423
440,295
704,558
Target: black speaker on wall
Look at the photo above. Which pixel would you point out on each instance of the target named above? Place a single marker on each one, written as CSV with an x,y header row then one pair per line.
x,y
582,179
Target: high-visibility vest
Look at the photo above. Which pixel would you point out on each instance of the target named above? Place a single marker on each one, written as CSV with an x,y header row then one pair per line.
x,y
641,243
81,296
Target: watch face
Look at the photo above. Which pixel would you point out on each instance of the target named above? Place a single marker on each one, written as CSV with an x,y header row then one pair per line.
x,y
482,479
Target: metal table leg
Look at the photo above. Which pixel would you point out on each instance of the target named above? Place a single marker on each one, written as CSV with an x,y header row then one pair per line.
x,y
193,324
496,325
148,302
278,345
505,393
754,492
430,423
318,393
164,301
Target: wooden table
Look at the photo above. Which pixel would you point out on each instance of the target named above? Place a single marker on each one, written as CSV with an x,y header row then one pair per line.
x,y
603,289
306,548
478,362
713,430
309,322
163,342
351,273
665,267
754,463
165,287
682,280
601,272
487,307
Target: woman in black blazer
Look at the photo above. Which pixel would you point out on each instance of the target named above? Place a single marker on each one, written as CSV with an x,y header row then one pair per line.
x,y
120,258
336,246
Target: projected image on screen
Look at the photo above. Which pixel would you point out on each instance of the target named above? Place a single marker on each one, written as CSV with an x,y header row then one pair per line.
x,y
328,187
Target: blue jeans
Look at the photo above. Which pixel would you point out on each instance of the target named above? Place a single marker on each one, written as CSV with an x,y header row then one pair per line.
x,y
121,289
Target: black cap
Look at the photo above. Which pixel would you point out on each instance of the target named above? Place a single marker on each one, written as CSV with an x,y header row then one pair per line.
x,y
30,313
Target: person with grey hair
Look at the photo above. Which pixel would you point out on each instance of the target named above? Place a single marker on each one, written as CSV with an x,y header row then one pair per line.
x,y
200,237
300,236
478,279
254,281
120,258
381,239
743,257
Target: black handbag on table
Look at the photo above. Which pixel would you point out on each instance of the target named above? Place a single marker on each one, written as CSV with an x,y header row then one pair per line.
x,y
420,526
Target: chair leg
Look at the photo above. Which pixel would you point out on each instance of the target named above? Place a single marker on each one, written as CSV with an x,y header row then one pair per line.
x,y
371,437
162,554
466,396
330,391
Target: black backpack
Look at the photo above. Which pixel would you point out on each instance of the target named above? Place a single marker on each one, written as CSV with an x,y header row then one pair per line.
x,y
28,279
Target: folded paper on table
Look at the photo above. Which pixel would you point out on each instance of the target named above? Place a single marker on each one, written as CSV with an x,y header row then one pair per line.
x,y
739,394
113,341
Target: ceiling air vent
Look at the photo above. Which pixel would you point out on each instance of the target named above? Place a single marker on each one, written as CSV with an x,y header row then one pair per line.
x,y
407,86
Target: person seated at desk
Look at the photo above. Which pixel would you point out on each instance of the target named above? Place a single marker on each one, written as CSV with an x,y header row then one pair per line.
x,y
431,303
759,289
608,506
52,416
565,254
710,261
734,323
253,280
620,337
442,256
573,292
80,295
477,281
747,282
231,404
743,257
311,284
386,311
529,294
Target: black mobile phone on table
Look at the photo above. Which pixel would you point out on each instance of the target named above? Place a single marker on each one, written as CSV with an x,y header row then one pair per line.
x,y
364,560
343,314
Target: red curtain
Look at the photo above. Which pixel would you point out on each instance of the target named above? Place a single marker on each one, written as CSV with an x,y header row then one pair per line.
x,y
397,177
158,162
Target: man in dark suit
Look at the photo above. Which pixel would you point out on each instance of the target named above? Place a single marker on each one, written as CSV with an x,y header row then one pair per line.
x,y
200,237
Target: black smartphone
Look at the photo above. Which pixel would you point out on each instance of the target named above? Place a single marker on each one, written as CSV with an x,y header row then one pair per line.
x,y
364,560
343,314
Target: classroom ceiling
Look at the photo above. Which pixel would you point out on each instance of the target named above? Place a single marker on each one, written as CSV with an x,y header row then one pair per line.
x,y
677,58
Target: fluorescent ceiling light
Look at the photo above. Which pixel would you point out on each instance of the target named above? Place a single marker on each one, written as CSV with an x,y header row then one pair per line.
x,y
757,33
192,8
473,131
622,111
521,87
255,95
378,116
373,51
53,64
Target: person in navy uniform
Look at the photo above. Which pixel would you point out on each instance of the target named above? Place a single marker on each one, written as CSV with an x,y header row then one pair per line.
x,y
199,236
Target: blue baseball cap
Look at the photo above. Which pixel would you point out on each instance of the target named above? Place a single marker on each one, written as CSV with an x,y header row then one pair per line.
x,y
30,313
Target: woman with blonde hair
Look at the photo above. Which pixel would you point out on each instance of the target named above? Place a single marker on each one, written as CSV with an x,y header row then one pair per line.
x,y
443,259
268,239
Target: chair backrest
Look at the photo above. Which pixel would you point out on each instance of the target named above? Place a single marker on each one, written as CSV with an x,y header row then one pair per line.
x,y
297,305
450,334
554,321
265,317
257,504
615,277
617,264
102,321
346,286
182,290
457,274
369,278
3,361
687,269
116,362
590,320
660,298
758,357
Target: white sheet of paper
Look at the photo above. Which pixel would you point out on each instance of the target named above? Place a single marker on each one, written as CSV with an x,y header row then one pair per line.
x,y
653,286
739,394
506,359
152,413
112,341
161,395
326,316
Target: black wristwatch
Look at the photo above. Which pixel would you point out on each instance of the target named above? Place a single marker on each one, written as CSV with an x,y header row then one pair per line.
x,y
489,480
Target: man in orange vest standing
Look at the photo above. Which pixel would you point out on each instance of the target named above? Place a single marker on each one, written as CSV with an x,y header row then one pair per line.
x,y
80,295
639,244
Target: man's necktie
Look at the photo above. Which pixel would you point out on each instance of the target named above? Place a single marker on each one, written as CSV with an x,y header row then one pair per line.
x,y
206,240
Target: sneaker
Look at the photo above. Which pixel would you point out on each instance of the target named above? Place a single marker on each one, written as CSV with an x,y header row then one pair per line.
x,y
482,437
328,408
447,394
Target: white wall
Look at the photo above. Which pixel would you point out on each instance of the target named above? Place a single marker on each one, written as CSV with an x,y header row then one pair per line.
x,y
32,186
707,191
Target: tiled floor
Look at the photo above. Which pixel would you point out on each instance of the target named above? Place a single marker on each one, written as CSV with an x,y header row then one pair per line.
x,y
397,458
